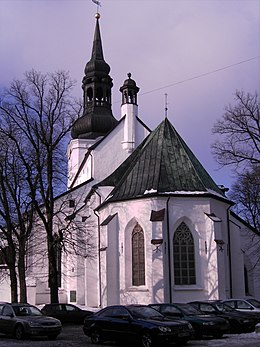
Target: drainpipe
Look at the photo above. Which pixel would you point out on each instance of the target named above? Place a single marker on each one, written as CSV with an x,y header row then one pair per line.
x,y
229,258
169,250
99,257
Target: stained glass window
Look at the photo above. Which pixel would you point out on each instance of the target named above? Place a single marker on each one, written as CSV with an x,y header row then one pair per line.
x,y
138,258
184,257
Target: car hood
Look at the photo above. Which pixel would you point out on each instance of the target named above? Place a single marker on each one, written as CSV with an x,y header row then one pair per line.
x,y
41,320
164,321
204,317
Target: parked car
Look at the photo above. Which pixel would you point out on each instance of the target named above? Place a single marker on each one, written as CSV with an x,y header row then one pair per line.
x,y
239,322
244,305
254,302
201,323
66,313
24,320
135,324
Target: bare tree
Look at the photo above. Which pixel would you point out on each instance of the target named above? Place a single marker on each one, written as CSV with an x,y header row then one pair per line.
x,y
239,131
239,146
246,193
16,213
36,117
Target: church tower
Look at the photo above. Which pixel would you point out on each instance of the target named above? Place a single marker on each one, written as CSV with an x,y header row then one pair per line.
x,y
97,119
129,110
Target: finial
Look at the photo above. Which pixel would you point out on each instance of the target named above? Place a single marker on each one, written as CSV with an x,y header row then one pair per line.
x,y
97,15
166,105
129,74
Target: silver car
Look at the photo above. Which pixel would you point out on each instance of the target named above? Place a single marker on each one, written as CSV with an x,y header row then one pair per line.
x,y
24,320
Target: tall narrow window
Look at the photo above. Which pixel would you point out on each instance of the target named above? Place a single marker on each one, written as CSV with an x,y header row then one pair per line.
x,y
246,281
183,255
138,261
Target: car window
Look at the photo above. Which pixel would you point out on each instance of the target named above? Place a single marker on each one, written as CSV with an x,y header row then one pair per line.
x,y
71,308
1,307
254,302
156,307
119,311
54,308
224,307
170,310
144,312
7,311
206,308
106,313
231,304
27,310
189,310
243,305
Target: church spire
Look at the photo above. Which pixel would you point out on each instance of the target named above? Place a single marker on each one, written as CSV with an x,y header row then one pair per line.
x,y
97,51
97,119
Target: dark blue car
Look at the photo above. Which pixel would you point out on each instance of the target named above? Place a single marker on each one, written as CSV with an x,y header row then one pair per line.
x,y
135,324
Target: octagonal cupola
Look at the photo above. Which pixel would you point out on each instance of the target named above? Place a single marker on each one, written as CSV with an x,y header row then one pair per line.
x,y
97,119
129,91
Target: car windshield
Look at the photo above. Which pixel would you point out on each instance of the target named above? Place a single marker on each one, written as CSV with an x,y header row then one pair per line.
x,y
27,311
254,302
224,307
144,312
188,309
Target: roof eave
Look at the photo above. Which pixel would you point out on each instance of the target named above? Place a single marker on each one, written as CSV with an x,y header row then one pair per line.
x,y
169,194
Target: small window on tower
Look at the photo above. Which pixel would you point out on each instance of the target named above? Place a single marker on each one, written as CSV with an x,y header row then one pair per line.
x,y
71,203
73,296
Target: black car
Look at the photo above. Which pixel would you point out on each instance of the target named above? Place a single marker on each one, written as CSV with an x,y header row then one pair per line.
x,y
201,323
135,324
66,313
24,320
239,322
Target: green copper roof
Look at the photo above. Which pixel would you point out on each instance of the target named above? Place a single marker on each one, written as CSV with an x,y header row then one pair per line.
x,y
161,164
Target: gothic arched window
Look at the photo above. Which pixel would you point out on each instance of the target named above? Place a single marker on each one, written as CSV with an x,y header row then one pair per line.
x,y
138,259
184,257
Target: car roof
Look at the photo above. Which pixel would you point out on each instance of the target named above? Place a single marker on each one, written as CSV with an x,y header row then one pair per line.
x,y
19,304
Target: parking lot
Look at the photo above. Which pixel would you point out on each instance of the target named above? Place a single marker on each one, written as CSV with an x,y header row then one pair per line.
x,y
73,336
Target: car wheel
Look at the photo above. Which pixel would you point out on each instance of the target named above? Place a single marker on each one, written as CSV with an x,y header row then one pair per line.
x,y
146,339
96,337
19,332
217,335
198,335
52,336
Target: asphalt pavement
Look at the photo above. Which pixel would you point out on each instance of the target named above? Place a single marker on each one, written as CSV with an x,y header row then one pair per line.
x,y
73,336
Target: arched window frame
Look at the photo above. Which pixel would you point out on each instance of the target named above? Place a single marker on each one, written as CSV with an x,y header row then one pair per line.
x,y
138,256
184,256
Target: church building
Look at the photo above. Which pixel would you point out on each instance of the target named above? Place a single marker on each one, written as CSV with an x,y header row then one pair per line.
x,y
160,228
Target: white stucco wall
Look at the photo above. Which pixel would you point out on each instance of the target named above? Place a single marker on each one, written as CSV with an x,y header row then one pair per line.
x,y
247,254
106,156
208,257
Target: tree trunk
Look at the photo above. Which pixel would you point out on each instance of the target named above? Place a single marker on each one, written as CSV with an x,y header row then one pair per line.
x,y
53,272
13,280
10,258
21,272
